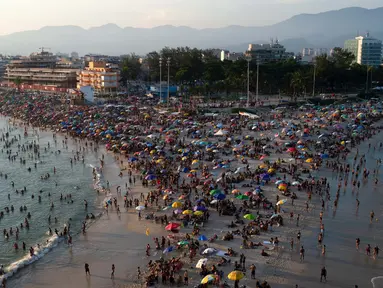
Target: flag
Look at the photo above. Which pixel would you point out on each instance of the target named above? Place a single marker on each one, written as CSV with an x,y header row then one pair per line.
x,y
147,232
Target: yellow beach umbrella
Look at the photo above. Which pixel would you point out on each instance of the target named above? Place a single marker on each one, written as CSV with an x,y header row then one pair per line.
x,y
193,170
177,205
235,275
187,212
198,213
195,161
310,160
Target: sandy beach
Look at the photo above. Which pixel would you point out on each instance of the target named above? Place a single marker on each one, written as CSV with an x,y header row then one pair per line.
x,y
121,239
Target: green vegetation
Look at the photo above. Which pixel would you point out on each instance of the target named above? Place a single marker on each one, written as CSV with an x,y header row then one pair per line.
x,y
200,72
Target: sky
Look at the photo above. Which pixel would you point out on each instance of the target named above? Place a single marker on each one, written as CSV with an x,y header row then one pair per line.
x,y
21,15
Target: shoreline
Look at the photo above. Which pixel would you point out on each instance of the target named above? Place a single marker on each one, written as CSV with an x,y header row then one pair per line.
x,y
50,242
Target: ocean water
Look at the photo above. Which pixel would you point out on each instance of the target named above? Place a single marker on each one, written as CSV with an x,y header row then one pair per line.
x,y
75,179
346,266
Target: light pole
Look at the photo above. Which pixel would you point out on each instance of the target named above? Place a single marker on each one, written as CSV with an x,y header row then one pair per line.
x,y
315,67
248,59
367,79
168,62
256,91
160,78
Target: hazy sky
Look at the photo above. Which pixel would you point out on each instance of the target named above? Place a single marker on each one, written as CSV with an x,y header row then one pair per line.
x,y
19,15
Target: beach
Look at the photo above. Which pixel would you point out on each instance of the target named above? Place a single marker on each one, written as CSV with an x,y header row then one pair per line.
x,y
121,239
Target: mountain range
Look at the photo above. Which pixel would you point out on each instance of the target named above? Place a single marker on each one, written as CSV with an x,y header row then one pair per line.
x,y
322,30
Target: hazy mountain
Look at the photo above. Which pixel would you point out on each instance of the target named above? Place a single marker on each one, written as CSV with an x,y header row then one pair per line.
x,y
326,30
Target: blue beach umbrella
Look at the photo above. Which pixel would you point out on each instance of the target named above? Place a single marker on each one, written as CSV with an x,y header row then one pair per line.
x,y
219,196
202,238
167,250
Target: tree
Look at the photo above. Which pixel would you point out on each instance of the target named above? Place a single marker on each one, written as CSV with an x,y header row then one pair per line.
x,y
342,58
17,81
131,68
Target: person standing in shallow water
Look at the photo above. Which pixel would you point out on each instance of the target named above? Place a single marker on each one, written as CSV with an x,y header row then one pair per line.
x,y
87,270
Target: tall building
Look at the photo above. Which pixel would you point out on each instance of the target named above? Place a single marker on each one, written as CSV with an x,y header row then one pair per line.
x,y
271,52
100,75
320,51
367,50
307,52
40,71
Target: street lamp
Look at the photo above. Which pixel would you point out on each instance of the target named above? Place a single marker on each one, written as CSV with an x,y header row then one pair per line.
x,y
168,62
248,59
315,67
160,78
256,91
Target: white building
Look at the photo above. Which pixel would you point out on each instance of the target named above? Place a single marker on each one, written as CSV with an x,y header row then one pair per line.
x,y
307,52
367,50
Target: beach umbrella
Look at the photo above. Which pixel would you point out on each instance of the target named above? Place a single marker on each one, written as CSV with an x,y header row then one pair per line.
x,y
150,177
195,161
169,249
219,196
280,182
198,213
310,160
140,208
187,212
215,191
208,251
201,262
177,205
202,238
214,201
249,217
235,275
281,202
295,183
199,208
242,197
265,176
235,191
292,150
183,243
178,211
207,279
282,187
172,226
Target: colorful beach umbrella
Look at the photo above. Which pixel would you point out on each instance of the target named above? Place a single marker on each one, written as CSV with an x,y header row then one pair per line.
x,y
249,217
235,275
207,279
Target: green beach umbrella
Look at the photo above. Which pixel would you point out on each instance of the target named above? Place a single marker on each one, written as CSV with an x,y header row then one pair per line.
x,y
215,191
242,197
249,217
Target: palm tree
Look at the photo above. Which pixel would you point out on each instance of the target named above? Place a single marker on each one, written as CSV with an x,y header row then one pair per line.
x,y
17,81
297,83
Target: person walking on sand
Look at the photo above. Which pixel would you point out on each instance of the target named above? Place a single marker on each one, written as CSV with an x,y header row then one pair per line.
x,y
372,214
87,270
113,269
138,273
252,269
186,278
323,274
302,253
